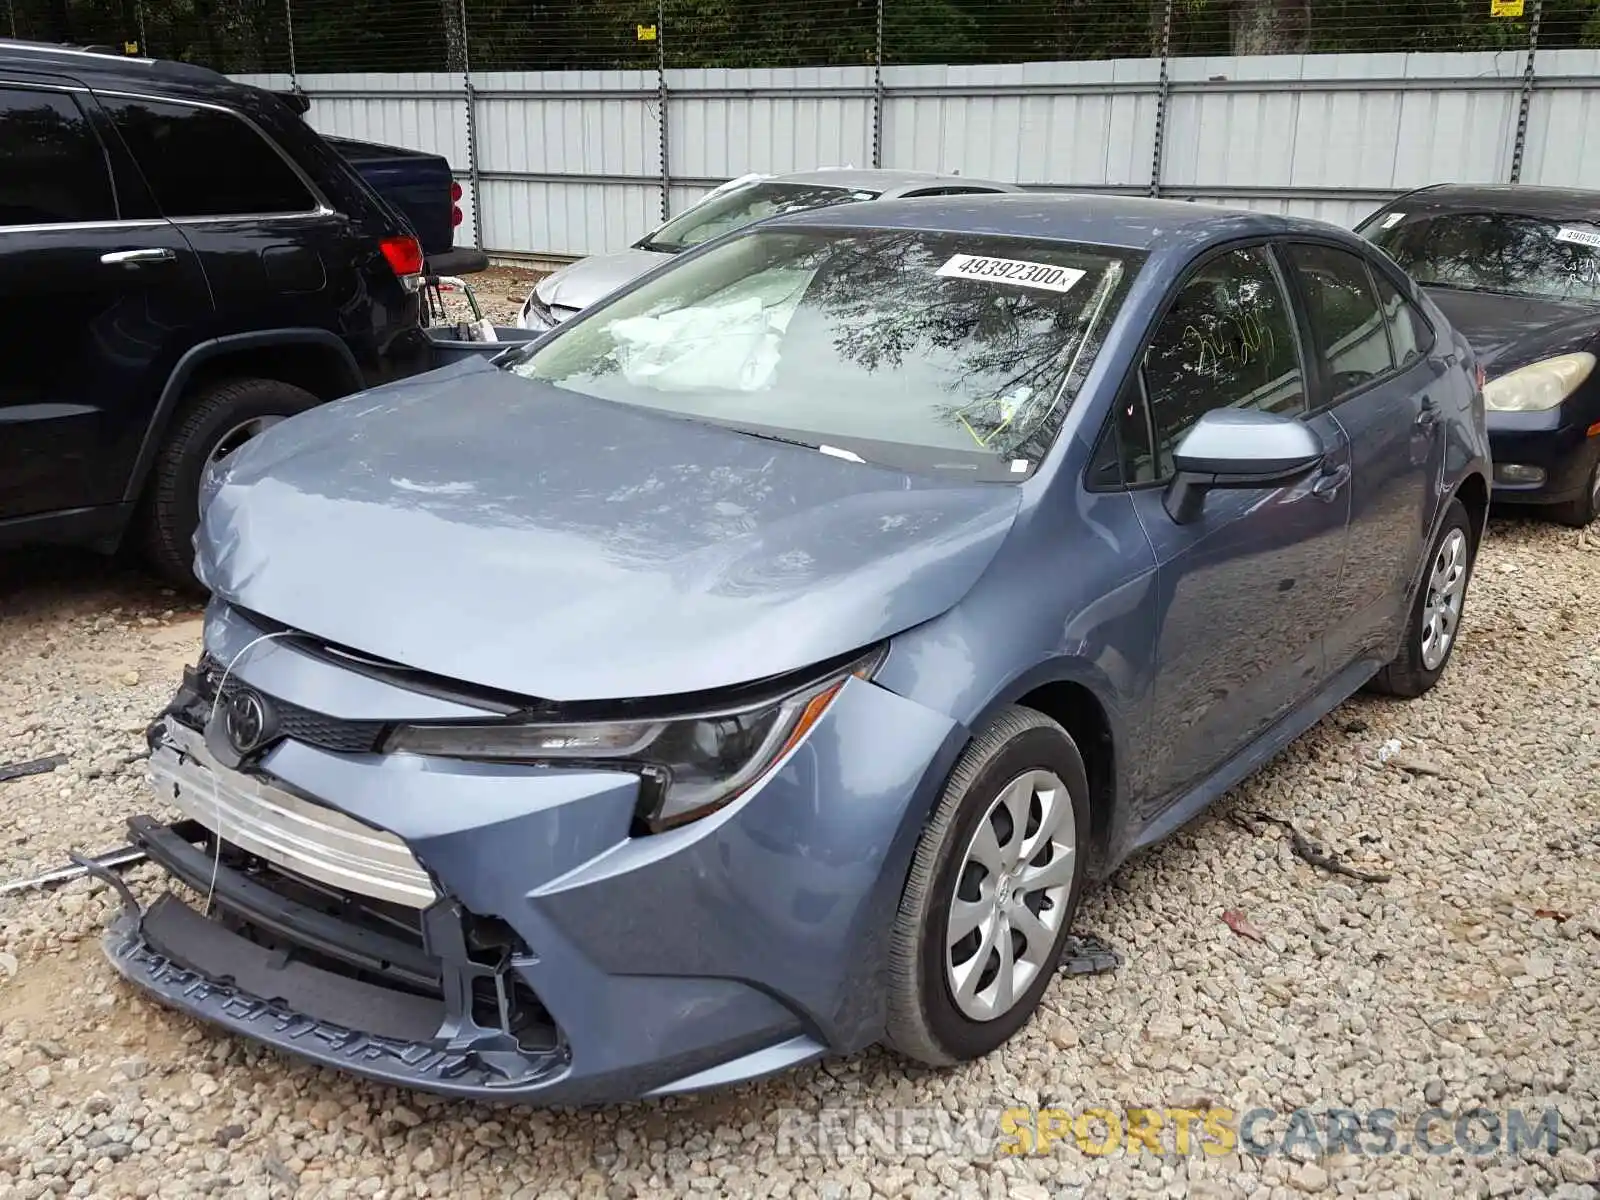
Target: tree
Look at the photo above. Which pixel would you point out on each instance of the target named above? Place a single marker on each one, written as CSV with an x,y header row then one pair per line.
x,y
1270,26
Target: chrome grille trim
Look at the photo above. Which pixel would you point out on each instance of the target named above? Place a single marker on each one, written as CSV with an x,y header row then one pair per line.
x,y
296,834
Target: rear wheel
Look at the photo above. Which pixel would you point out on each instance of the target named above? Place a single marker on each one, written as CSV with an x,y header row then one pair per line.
x,y
215,422
1436,613
991,894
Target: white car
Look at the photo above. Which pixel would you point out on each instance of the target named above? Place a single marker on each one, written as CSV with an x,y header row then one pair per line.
x,y
739,202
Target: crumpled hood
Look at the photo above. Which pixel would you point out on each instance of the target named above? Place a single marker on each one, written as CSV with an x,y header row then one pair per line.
x,y
1507,332
500,532
589,279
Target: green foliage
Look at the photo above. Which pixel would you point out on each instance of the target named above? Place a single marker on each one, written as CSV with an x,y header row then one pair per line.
x,y
422,35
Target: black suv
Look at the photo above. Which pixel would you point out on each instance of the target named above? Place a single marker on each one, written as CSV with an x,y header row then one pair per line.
x,y
183,262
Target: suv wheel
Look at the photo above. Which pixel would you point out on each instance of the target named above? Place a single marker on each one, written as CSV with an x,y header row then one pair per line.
x,y
216,420
991,894
1435,620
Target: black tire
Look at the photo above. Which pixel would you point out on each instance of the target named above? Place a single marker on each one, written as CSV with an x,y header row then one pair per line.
x,y
1408,676
924,1022
1581,510
172,500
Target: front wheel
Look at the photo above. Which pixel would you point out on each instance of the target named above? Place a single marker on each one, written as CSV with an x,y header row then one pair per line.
x,y
1435,620
992,891
1585,507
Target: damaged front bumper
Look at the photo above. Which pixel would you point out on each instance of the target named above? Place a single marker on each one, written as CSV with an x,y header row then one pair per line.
x,y
498,930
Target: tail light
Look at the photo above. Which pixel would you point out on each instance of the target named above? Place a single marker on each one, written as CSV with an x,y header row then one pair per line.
x,y
404,256
455,191
455,216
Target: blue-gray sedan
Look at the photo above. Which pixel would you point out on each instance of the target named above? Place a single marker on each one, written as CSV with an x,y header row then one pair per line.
x,y
759,666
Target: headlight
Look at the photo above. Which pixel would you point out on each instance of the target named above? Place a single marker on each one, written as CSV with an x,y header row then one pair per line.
x,y
535,314
691,765
1539,385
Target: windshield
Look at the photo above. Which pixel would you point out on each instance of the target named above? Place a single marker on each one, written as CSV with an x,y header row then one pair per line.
x,y
916,349
1495,252
743,206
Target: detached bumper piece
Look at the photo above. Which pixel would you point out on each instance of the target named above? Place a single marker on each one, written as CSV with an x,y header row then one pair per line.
x,y
428,999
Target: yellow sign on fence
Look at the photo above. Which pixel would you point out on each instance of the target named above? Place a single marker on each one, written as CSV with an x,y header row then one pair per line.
x,y
647,33
1505,8
130,47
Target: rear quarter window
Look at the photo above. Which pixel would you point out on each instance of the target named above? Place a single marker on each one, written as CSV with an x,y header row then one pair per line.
x,y
205,162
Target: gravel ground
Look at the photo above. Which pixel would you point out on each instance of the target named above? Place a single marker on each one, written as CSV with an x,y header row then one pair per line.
x,y
500,292
1466,980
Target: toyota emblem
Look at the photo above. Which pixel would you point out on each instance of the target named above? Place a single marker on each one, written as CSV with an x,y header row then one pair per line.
x,y
245,720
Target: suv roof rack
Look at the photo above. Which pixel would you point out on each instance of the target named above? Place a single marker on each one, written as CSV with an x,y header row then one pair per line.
x,y
96,51
108,56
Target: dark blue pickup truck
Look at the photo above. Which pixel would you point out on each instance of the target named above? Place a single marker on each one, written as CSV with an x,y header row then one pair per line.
x,y
425,191
421,185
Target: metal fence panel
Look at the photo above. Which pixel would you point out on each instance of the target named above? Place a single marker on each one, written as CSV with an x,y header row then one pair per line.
x,y
1089,123
723,123
570,163
564,219
1564,122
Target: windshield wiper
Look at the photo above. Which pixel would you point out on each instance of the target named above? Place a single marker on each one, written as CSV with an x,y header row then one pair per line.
x,y
657,247
767,437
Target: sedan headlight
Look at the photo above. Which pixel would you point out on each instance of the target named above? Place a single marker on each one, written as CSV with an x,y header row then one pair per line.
x,y
535,314
691,765
1539,385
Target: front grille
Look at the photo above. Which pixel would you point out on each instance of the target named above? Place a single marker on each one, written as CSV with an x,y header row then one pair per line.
x,y
298,723
326,733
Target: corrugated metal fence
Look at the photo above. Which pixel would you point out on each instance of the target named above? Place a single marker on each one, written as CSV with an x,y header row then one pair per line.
x,y
572,163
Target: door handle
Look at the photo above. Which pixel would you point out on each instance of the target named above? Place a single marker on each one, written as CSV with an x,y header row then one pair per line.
x,y
1429,416
131,258
1330,481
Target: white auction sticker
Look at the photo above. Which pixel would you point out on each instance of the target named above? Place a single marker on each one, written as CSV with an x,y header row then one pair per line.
x,y
1011,270
1582,237
1393,219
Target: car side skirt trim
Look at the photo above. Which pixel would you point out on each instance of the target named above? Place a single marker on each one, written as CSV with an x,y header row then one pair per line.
x,y
1244,764
100,528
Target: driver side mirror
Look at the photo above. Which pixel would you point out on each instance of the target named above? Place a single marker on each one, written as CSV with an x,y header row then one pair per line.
x,y
1238,448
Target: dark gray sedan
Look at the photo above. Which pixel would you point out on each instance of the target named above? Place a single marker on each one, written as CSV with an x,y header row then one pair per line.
x,y
759,666
1517,269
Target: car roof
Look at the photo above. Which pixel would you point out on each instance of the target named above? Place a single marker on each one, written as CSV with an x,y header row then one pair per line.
x,y
1125,222
1519,198
106,70
877,179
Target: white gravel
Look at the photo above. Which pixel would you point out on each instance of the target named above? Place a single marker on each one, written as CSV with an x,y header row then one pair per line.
x,y
499,291
1469,979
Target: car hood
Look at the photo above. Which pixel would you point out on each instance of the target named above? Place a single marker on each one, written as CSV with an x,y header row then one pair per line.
x,y
589,279
1507,332
509,534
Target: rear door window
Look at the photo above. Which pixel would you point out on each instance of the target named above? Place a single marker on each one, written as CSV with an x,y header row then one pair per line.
x,y
1408,329
54,168
1351,332
206,162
